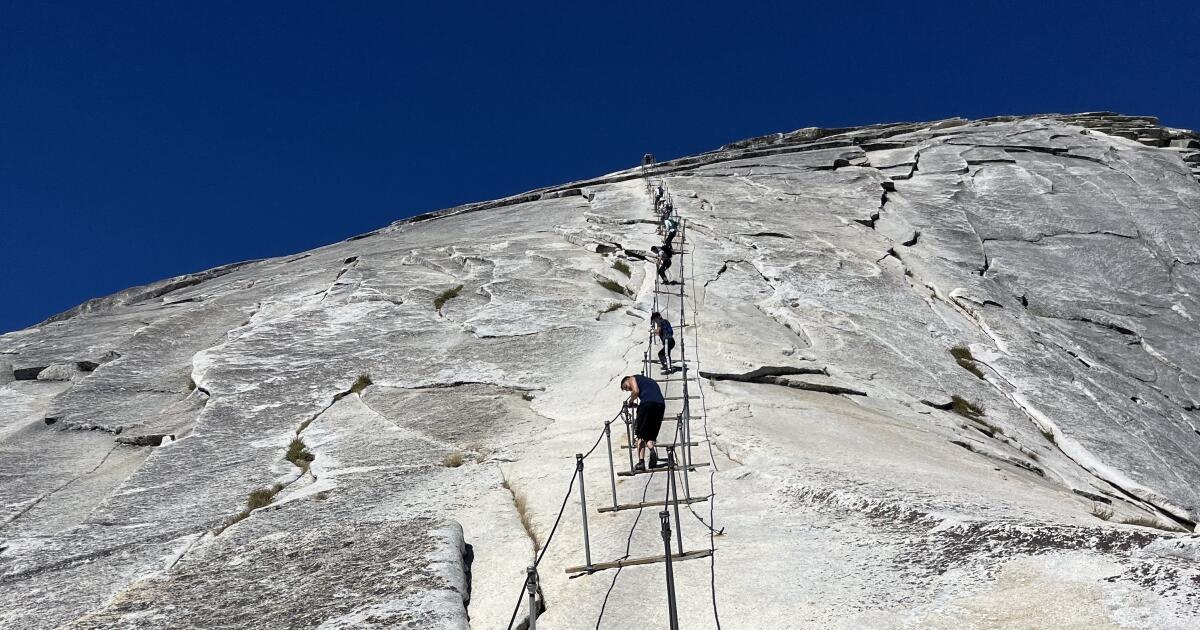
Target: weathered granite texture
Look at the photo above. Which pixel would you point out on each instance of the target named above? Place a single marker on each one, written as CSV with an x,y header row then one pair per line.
x,y
340,438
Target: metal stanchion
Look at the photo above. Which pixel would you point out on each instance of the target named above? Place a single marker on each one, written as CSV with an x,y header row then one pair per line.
x,y
629,436
531,579
612,471
686,429
665,518
587,544
675,496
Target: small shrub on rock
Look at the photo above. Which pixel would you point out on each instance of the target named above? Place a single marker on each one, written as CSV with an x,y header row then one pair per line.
x,y
1102,512
299,454
446,296
962,356
965,408
612,285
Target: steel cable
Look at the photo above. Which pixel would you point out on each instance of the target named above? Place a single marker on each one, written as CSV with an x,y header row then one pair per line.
x,y
712,488
554,528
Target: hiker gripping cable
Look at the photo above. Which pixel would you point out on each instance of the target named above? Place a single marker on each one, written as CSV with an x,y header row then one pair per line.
x,y
666,336
646,396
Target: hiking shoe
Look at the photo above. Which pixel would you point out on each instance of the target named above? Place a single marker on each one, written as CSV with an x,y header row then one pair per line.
x,y
653,459
639,467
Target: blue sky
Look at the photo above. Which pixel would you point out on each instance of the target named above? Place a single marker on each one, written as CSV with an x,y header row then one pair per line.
x,y
141,140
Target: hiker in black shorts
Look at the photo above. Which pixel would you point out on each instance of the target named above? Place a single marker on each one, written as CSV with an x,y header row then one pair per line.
x,y
645,394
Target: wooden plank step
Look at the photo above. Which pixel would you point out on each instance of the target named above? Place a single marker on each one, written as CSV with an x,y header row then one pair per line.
x,y
630,562
681,397
630,473
664,445
646,504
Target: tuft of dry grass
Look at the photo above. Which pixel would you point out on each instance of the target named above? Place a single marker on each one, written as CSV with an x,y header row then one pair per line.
x,y
962,356
611,285
453,460
1102,512
259,498
446,296
522,505
262,497
299,455
965,408
360,383
620,266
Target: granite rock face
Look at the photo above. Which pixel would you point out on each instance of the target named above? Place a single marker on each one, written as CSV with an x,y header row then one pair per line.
x,y
951,378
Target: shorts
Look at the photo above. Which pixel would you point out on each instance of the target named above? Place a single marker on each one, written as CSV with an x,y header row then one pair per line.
x,y
649,420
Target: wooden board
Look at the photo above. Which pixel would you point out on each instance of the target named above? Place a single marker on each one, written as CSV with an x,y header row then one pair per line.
x,y
629,562
630,473
646,504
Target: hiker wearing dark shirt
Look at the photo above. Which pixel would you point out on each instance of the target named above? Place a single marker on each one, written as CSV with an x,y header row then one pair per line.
x,y
666,335
645,394
664,254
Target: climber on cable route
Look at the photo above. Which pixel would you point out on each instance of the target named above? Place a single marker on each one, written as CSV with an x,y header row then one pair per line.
x,y
664,208
647,398
668,228
666,336
664,255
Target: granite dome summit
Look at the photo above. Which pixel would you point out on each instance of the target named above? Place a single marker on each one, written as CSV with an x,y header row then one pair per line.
x,y
951,376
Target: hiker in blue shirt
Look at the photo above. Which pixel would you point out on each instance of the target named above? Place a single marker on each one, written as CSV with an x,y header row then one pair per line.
x,y
666,335
645,395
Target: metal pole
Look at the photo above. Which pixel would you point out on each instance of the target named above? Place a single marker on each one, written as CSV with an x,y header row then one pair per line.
x,y
687,409
675,496
665,519
531,578
629,436
686,427
587,544
612,471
